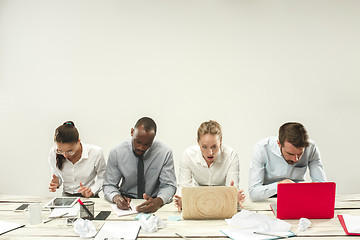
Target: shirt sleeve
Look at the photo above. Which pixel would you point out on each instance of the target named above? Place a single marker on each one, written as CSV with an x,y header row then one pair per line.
x,y
316,168
100,167
112,178
167,179
185,173
233,171
54,169
258,191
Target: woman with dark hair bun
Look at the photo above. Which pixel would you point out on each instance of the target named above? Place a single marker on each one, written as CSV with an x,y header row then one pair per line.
x,y
78,166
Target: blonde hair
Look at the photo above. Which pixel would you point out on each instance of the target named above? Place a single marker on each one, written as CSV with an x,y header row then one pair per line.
x,y
210,127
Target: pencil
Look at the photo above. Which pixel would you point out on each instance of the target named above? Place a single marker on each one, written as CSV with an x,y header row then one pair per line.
x,y
272,234
50,219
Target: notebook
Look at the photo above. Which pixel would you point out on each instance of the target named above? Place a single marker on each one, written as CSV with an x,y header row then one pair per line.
x,y
215,202
314,200
350,224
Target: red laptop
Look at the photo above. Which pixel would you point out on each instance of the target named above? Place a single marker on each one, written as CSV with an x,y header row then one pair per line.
x,y
312,200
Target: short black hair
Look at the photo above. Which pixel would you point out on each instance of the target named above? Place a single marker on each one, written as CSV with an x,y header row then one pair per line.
x,y
148,123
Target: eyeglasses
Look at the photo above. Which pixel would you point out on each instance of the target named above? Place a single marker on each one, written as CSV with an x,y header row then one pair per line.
x,y
71,153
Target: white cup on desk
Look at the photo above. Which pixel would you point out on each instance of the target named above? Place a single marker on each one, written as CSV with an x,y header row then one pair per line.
x,y
35,213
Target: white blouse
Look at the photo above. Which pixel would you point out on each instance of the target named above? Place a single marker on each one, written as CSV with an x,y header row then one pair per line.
x,y
89,170
194,170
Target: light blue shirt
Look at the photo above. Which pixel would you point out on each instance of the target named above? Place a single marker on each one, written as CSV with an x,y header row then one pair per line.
x,y
268,167
160,180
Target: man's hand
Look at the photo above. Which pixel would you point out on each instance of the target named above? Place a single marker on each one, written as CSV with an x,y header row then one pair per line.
x,y
122,202
54,183
150,205
178,202
85,191
241,195
286,181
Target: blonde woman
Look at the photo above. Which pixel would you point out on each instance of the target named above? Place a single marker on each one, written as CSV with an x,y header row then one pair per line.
x,y
210,163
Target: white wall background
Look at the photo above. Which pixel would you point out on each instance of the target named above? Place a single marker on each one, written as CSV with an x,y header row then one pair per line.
x,y
251,65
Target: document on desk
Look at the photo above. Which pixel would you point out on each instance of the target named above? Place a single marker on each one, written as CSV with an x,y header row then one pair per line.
x,y
120,212
241,233
128,230
8,226
71,212
350,224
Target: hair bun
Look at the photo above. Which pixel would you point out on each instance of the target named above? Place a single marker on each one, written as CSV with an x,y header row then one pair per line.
x,y
69,123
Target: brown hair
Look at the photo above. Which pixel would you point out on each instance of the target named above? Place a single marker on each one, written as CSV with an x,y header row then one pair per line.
x,y
210,127
295,133
66,133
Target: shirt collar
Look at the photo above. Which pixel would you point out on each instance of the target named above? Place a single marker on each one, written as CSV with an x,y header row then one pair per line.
x,y
85,151
275,147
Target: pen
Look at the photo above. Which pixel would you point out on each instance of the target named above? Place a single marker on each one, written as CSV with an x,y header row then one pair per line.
x,y
272,234
182,236
85,208
50,219
125,200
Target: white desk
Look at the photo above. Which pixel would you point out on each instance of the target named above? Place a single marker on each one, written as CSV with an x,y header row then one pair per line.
x,y
321,229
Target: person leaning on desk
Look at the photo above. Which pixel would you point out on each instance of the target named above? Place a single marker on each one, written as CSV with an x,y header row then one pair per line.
x,y
145,168
210,163
283,160
79,167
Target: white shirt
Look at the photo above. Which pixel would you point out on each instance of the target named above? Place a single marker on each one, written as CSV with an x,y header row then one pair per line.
x,y
268,167
194,170
89,170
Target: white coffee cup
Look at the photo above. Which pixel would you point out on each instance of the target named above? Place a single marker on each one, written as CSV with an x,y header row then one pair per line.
x,y
35,213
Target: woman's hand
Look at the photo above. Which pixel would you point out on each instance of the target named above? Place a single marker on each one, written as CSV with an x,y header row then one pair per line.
x,y
178,202
54,183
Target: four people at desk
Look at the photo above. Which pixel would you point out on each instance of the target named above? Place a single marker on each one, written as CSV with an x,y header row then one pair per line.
x,y
142,167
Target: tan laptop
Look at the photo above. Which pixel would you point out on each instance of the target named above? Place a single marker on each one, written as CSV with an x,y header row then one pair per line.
x,y
217,202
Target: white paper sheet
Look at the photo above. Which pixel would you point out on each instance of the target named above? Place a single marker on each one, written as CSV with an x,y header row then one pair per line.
x,y
72,212
352,223
119,229
120,212
8,226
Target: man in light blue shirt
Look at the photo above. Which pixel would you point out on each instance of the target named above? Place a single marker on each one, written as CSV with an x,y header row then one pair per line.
x,y
283,160
144,168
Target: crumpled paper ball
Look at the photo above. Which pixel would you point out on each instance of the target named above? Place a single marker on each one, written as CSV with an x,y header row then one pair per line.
x,y
84,228
152,224
304,224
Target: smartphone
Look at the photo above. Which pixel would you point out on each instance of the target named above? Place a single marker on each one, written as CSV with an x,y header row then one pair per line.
x,y
102,215
21,208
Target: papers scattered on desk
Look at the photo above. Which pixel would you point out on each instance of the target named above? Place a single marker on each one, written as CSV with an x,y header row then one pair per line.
x,y
71,212
350,224
120,212
8,226
128,230
239,234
